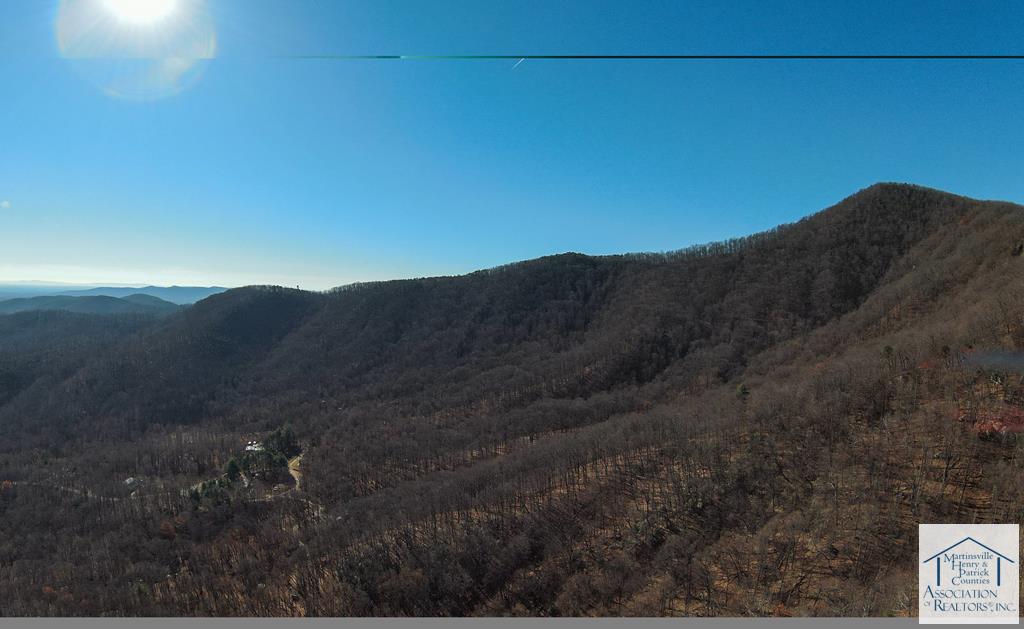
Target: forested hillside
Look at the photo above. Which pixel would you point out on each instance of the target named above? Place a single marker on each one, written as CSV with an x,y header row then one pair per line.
x,y
753,427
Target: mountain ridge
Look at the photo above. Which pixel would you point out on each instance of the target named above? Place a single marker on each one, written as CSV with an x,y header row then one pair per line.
x,y
99,304
367,319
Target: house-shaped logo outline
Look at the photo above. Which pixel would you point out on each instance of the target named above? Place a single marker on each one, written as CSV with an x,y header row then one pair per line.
x,y
999,558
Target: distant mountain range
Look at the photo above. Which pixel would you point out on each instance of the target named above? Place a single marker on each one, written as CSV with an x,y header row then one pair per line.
x,y
136,303
175,294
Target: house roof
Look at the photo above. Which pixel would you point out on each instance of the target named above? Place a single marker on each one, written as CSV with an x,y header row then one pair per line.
x,y
969,539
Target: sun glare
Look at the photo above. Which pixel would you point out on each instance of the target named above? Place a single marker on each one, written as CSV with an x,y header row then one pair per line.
x,y
137,49
141,11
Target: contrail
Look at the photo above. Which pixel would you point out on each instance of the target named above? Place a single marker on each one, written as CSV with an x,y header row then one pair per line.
x,y
518,62
1017,57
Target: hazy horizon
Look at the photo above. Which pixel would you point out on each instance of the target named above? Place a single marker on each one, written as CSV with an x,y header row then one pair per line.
x,y
56,284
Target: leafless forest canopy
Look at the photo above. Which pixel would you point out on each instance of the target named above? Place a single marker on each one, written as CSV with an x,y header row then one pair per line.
x,y
753,427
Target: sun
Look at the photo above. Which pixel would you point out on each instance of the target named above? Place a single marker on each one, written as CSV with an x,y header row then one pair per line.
x,y
141,12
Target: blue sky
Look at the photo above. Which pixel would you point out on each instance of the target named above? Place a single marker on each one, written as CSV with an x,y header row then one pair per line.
x,y
266,168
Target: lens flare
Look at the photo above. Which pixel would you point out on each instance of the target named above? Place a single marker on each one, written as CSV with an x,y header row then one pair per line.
x,y
137,49
141,11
